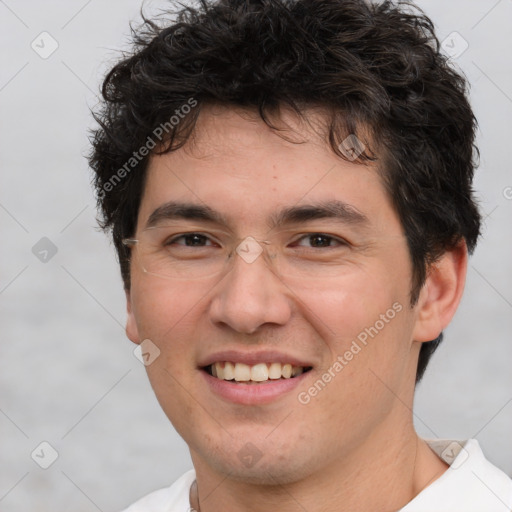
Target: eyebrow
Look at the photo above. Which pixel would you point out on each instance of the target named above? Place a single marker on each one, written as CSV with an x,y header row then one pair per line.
x,y
334,209
184,211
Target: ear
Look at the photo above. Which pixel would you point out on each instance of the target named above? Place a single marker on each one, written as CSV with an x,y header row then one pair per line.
x,y
441,294
132,330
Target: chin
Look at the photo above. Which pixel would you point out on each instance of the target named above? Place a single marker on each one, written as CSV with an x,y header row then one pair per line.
x,y
267,467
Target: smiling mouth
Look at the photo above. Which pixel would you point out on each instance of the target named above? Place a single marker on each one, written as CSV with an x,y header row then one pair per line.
x,y
242,373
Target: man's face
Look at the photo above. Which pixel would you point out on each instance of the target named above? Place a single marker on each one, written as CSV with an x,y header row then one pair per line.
x,y
341,309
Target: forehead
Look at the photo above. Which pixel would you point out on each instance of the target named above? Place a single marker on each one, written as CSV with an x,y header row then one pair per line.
x,y
237,166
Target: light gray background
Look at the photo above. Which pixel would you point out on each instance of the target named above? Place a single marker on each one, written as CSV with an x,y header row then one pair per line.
x,y
68,375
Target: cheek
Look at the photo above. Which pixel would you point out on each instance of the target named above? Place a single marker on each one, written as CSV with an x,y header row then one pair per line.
x,y
163,308
366,323
369,355
166,313
351,305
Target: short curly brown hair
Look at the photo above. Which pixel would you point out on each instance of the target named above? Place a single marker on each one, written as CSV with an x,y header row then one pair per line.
x,y
372,66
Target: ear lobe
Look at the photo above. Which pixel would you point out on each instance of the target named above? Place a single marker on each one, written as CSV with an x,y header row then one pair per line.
x,y
441,293
132,330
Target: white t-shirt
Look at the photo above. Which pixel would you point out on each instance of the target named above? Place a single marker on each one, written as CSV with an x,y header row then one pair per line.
x,y
470,484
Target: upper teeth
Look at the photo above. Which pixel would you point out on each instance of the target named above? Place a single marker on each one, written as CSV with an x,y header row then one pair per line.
x,y
259,372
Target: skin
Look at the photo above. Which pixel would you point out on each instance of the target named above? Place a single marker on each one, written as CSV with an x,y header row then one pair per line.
x,y
353,446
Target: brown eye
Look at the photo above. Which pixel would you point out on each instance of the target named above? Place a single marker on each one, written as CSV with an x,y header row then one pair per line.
x,y
319,240
190,240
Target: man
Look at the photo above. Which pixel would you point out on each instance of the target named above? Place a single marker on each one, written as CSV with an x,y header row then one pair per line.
x,y
288,185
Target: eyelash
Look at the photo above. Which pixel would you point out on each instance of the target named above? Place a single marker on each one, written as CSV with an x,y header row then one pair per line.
x,y
331,238
185,235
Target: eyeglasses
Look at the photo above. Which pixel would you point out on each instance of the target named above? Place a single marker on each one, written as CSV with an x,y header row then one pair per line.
x,y
173,252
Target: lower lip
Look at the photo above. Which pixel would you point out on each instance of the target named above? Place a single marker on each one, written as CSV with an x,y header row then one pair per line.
x,y
253,394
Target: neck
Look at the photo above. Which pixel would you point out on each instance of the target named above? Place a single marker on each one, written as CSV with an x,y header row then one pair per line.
x,y
382,475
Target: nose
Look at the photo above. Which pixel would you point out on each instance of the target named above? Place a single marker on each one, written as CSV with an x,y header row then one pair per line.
x,y
249,296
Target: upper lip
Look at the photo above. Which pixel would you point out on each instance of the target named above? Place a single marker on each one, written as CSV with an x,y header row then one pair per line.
x,y
252,358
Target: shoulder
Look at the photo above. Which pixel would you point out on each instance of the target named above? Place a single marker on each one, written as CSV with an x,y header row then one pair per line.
x,y
471,483
170,499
